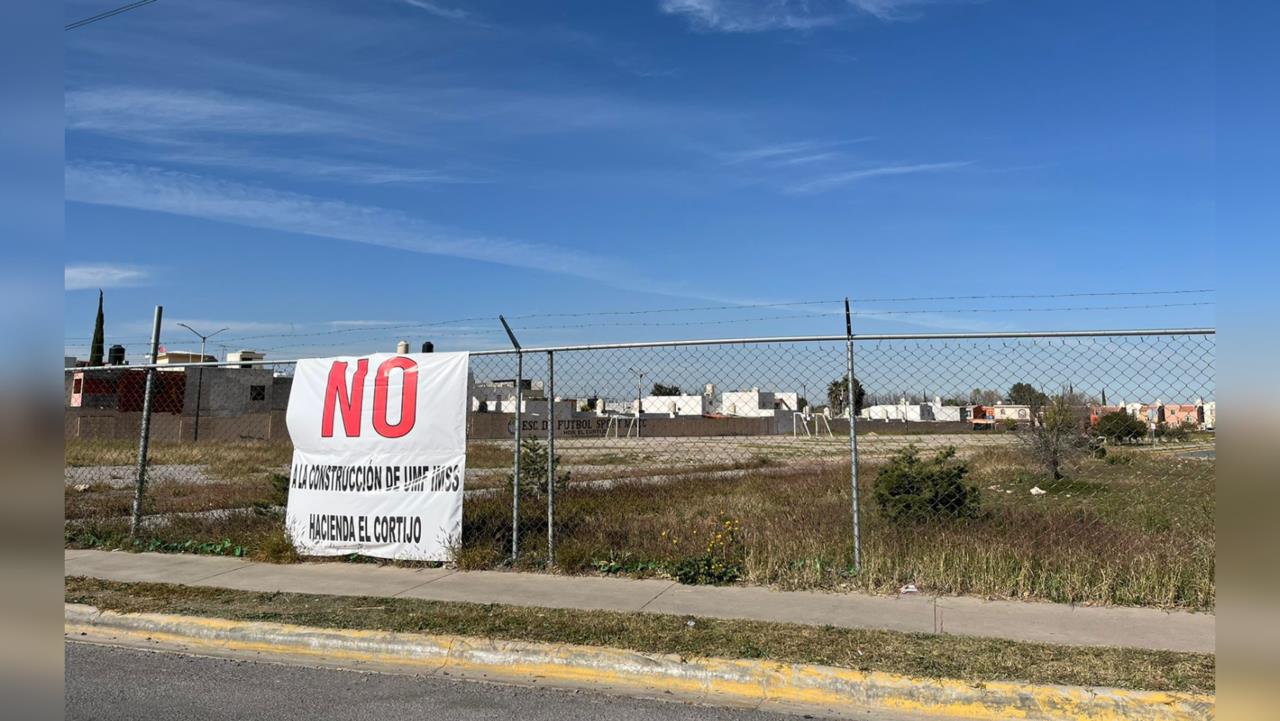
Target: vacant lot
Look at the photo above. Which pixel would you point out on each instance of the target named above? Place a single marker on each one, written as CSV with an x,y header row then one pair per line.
x,y
1135,527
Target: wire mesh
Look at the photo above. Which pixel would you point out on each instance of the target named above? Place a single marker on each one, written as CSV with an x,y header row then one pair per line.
x,y
1073,469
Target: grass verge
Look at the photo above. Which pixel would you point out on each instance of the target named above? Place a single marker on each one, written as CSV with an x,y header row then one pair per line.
x,y
959,657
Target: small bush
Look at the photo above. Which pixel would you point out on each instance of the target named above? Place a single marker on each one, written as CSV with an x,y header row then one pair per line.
x,y
721,560
1174,433
910,488
279,489
1007,424
533,469
1121,427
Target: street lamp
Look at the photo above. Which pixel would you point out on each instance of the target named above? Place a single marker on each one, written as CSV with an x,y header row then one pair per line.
x,y
639,390
195,434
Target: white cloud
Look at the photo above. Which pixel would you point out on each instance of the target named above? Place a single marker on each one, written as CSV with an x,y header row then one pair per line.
x,y
827,182
438,10
167,191
748,16
309,168
789,153
135,112
85,276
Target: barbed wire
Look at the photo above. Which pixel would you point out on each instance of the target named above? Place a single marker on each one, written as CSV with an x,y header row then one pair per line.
x,y
376,328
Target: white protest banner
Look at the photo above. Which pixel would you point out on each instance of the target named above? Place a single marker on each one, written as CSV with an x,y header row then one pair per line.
x,y
380,447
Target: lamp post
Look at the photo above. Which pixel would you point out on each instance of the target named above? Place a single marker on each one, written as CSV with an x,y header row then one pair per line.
x,y
639,391
195,434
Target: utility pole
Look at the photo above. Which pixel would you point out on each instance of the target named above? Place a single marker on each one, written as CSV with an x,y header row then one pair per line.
x,y
639,391
195,435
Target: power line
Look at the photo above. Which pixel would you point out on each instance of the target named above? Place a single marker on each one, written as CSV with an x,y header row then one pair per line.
x,y
104,15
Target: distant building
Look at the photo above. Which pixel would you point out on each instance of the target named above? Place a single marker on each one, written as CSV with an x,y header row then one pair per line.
x,y
908,412
1209,415
123,390
499,395
1011,412
1178,415
756,403
243,355
681,405
165,357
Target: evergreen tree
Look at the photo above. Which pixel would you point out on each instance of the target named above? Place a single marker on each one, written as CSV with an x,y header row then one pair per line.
x,y
95,347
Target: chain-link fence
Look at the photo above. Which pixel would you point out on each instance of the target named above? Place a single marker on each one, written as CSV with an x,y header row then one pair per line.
x,y
1071,467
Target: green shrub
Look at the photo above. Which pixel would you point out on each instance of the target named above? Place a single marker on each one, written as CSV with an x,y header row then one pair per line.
x,y
533,469
911,488
279,489
1174,433
1121,427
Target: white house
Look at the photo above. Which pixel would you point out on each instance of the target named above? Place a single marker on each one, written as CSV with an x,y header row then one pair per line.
x,y
499,396
911,412
681,405
756,403
1012,411
1210,411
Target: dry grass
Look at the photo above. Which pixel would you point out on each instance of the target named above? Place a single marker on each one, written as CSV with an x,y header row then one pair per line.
x,y
1135,534
223,460
1136,529
920,655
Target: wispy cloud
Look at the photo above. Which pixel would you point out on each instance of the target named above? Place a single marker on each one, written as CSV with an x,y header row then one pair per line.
x,y
136,112
323,168
890,9
749,16
789,153
834,180
84,276
178,193
439,10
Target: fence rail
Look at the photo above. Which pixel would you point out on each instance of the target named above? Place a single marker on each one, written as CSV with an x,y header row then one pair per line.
x,y
1067,465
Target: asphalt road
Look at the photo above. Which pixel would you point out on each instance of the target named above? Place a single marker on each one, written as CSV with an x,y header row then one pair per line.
x,y
105,682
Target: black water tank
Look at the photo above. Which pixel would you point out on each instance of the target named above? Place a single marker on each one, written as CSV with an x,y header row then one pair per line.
x,y
428,347
115,356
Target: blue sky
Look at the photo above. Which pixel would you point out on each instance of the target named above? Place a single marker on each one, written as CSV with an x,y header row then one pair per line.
x,y
294,169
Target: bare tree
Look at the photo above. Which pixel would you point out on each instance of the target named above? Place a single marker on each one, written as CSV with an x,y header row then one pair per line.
x,y
1059,431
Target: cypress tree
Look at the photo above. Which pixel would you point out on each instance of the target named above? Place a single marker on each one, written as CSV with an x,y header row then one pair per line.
x,y
95,347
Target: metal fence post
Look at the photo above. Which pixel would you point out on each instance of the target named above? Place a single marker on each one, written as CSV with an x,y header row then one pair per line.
x,y
551,458
144,435
515,476
851,403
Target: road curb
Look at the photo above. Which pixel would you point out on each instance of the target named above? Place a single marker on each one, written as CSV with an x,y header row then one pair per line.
x,y
762,684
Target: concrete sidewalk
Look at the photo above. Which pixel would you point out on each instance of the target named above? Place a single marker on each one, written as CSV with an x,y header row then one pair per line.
x,y
1039,622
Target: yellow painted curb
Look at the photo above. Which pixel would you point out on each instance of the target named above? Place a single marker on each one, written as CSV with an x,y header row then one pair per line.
x,y
801,687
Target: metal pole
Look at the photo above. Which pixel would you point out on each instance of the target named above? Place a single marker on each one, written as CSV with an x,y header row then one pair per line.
x,y
195,432
551,458
850,402
144,435
515,477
